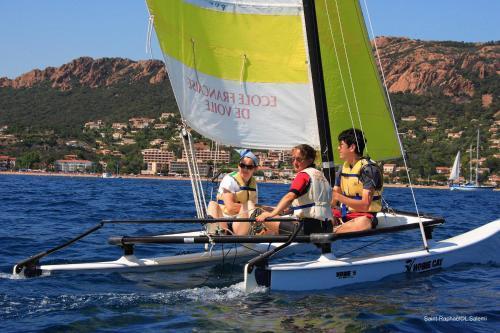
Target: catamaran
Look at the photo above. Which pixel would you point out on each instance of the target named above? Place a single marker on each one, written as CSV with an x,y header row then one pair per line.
x,y
273,74
455,173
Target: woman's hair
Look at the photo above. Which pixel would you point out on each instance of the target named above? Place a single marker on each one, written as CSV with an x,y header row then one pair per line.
x,y
306,151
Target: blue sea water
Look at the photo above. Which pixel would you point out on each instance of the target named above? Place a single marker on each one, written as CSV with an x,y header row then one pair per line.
x,y
37,213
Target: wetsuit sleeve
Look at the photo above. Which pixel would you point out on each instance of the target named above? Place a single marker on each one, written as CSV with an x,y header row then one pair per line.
x,y
300,184
371,177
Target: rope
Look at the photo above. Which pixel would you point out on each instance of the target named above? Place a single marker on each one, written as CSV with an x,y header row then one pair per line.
x,y
424,240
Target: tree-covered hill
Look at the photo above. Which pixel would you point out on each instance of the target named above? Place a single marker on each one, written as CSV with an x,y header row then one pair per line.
x,y
456,83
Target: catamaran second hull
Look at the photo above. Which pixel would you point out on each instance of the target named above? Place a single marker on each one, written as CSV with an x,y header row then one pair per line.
x,y
476,246
236,253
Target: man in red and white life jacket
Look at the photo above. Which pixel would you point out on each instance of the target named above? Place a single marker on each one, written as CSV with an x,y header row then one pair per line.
x,y
357,193
309,197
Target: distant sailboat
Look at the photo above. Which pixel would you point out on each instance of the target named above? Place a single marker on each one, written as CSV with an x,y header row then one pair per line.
x,y
455,173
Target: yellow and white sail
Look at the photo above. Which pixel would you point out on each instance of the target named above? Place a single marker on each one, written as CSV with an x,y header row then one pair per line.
x,y
240,72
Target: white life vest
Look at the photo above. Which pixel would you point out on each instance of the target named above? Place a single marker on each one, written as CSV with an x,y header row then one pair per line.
x,y
315,203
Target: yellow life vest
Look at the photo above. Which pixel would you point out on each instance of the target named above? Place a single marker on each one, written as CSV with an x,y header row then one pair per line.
x,y
247,192
316,202
352,187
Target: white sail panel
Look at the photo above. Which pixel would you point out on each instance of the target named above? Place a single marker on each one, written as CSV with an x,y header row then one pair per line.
x,y
253,115
455,170
240,76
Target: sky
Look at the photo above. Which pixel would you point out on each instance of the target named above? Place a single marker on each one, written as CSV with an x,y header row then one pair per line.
x,y
42,33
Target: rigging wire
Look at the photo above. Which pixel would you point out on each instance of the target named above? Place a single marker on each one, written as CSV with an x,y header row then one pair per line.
x,y
424,239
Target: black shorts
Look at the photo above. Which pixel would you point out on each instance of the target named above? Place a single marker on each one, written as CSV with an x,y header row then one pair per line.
x,y
311,226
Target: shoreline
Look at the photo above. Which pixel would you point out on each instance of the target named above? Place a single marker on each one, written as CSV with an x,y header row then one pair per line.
x,y
86,175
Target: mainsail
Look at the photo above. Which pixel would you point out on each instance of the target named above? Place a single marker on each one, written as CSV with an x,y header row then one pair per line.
x,y
240,72
455,170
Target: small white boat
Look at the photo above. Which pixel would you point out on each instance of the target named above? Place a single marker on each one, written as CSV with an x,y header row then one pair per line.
x,y
107,175
471,185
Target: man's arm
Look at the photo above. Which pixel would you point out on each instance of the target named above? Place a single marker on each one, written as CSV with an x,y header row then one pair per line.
x,y
284,203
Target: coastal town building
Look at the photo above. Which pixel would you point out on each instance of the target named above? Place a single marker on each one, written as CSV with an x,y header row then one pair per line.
x,y
400,169
180,167
119,126
126,141
98,124
166,115
7,162
432,120
389,168
118,135
409,118
160,126
140,122
221,156
408,135
455,135
428,129
7,139
156,160
441,170
73,165
156,142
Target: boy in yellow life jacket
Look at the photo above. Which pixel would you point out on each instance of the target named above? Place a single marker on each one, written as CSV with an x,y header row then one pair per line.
x,y
236,197
358,185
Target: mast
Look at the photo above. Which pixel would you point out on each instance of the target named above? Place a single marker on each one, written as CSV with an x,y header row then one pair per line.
x,y
477,157
319,89
470,164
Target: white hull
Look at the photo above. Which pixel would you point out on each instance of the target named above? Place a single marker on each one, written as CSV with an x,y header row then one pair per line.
x,y
471,188
476,246
237,253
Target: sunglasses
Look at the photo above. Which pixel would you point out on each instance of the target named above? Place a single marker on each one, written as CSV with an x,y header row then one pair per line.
x,y
247,166
298,159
